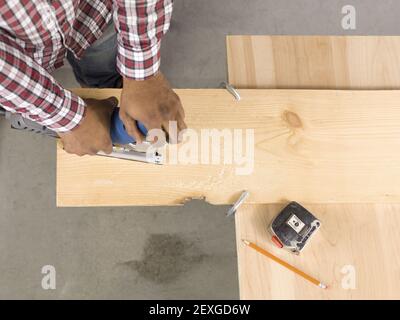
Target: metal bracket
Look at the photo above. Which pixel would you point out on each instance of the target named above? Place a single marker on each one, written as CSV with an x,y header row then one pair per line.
x,y
18,122
238,203
231,90
130,152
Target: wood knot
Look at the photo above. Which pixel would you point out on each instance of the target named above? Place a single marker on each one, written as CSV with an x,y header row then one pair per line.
x,y
292,119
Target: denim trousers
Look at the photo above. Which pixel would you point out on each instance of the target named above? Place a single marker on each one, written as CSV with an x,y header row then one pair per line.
x,y
97,67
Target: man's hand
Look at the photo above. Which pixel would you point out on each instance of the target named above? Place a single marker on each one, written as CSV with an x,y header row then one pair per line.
x,y
93,133
151,102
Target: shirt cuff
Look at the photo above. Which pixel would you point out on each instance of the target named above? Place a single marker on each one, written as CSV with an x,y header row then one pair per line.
x,y
138,65
67,117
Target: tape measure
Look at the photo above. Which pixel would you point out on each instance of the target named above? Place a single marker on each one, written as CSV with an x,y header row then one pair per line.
x,y
293,227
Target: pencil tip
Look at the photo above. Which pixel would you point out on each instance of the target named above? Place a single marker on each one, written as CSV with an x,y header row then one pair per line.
x,y
323,286
245,242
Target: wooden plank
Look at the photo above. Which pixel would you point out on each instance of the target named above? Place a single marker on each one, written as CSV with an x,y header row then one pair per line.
x,y
361,236
314,62
312,146
330,63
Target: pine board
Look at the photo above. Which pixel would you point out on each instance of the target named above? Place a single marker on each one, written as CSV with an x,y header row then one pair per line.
x,y
311,145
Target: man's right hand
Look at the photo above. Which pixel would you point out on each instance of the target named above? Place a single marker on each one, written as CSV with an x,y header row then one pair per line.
x,y
93,133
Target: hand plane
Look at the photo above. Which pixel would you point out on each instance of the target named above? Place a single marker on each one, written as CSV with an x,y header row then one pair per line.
x,y
124,146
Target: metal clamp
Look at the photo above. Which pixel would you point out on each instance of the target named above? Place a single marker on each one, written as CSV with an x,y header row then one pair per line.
x,y
238,203
231,90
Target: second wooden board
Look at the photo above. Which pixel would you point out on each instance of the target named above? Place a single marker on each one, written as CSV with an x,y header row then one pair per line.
x,y
355,253
320,62
312,146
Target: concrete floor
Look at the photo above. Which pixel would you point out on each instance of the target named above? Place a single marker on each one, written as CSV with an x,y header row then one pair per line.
x,y
147,253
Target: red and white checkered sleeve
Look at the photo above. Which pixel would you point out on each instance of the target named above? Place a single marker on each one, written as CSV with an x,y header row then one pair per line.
x,y
140,24
28,89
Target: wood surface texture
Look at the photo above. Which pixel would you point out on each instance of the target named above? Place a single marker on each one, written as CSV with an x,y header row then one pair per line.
x,y
312,146
314,62
359,238
359,235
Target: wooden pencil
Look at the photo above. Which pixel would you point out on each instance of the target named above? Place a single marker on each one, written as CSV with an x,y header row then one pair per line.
x,y
285,264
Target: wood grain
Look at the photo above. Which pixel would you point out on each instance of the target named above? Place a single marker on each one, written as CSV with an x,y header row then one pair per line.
x,y
312,146
322,63
362,236
314,62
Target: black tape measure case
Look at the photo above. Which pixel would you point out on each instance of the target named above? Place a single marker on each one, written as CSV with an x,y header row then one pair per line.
x,y
293,227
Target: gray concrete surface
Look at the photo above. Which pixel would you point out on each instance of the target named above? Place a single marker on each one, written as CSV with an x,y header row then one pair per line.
x,y
147,253
194,52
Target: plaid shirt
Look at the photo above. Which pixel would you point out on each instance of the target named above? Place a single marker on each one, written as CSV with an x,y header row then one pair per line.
x,y
35,36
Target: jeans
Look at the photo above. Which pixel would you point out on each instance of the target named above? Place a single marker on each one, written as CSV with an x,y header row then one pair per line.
x,y
97,67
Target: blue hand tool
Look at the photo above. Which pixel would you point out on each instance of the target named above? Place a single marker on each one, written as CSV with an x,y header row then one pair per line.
x,y
118,131
124,146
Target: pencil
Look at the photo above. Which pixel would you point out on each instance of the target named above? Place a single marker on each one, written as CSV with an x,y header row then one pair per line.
x,y
285,264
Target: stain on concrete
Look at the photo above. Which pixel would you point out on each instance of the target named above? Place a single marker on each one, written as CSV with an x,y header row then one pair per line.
x,y
165,258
